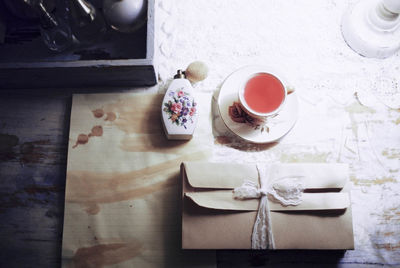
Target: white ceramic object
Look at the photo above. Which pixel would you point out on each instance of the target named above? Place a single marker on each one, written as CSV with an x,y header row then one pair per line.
x,y
274,128
248,109
372,28
125,15
179,109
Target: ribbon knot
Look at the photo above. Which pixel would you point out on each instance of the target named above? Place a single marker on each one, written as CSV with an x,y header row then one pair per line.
x,y
286,190
263,192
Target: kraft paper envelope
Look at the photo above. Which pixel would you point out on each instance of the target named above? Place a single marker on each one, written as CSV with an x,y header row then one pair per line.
x,y
213,219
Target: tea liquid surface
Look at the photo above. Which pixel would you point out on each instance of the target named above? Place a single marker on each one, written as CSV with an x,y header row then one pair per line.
x,y
264,93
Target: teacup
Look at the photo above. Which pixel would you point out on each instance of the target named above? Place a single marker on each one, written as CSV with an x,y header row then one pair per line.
x,y
263,95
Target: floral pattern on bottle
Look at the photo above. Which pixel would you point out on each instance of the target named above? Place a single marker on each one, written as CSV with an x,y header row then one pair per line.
x,y
180,107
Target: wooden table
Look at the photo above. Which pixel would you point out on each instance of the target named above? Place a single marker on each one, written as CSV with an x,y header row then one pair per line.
x,y
33,148
33,157
337,123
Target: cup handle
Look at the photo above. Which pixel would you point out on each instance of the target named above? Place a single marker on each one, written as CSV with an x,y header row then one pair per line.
x,y
289,89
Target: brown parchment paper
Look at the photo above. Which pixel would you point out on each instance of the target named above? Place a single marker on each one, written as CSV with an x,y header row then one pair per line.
x,y
122,202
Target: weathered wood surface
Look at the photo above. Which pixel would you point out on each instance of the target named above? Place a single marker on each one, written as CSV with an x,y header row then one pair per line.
x,y
132,73
34,129
118,59
326,74
33,147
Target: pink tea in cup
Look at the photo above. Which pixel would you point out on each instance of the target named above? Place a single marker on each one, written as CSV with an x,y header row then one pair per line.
x,y
264,93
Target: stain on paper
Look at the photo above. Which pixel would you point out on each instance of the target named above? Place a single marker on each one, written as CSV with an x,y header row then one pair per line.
x,y
82,139
97,131
98,113
140,119
106,254
111,116
131,116
158,143
92,208
89,189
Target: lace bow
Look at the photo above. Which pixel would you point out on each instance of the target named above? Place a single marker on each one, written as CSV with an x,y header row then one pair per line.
x,y
286,190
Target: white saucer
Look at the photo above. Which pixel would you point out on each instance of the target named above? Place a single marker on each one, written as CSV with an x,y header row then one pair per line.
x,y
274,129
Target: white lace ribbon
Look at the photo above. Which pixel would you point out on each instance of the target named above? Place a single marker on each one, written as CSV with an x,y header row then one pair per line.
x,y
286,190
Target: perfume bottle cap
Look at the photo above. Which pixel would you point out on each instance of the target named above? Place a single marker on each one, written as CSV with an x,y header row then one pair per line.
x,y
196,71
180,74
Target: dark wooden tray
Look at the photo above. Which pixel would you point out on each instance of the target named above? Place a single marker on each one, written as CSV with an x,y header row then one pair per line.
x,y
119,59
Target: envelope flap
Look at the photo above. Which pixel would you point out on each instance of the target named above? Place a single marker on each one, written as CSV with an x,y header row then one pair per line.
x,y
219,175
230,175
316,201
313,175
224,200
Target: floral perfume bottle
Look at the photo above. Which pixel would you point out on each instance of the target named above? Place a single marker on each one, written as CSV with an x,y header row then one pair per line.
x,y
179,109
